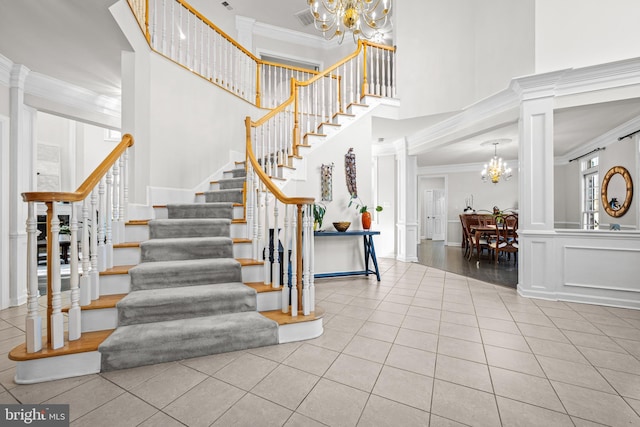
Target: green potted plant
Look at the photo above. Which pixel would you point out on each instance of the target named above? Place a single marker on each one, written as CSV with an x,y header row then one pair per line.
x,y
318,214
64,235
363,210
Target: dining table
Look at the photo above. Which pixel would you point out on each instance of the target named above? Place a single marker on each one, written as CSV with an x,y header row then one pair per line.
x,y
488,230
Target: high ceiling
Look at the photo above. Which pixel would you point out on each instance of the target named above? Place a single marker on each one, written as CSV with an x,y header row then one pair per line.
x,y
78,41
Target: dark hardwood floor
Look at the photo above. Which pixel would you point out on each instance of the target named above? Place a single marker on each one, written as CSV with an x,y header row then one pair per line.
x,y
451,258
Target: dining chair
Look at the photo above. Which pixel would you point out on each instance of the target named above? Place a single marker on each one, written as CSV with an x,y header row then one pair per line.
x,y
506,237
473,221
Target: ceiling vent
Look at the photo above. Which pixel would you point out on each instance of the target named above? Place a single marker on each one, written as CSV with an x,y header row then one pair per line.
x,y
227,5
305,17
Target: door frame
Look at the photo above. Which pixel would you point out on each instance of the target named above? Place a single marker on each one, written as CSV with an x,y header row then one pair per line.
x,y
421,188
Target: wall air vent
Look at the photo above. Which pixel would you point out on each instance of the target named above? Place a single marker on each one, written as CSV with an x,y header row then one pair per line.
x,y
305,17
227,5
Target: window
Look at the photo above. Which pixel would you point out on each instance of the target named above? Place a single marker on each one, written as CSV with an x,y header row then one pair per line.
x,y
590,194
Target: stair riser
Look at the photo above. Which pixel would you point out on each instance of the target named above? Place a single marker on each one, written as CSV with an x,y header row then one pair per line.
x,y
99,319
113,284
239,231
55,368
252,273
313,139
126,256
342,119
161,213
242,250
267,301
328,130
136,233
300,331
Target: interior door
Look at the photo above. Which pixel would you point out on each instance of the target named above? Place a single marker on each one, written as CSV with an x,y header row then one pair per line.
x,y
428,214
438,215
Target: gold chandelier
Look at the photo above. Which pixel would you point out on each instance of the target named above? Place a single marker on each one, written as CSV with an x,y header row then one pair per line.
x,y
496,168
363,18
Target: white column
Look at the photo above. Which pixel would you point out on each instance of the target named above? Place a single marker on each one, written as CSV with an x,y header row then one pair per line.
x,y
407,202
5,202
22,178
535,222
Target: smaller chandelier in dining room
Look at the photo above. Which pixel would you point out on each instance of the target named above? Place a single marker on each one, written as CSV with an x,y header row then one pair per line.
x,y
496,168
363,18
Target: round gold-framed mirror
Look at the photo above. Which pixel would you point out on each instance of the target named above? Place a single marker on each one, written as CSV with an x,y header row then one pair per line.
x,y
610,199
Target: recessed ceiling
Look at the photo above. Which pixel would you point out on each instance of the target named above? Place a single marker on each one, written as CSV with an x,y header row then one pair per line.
x,y
573,128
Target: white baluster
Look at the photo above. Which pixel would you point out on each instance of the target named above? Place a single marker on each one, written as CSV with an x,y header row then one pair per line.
x,y
53,273
124,196
388,74
109,220
266,243
358,79
312,263
378,71
33,330
102,250
294,263
115,212
395,73
250,202
305,258
95,277
75,327
172,47
275,283
85,278
286,285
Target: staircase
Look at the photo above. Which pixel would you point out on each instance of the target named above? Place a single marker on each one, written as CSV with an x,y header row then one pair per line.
x,y
187,298
189,289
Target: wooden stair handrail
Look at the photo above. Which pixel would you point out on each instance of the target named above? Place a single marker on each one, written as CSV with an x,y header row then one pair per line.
x,y
89,184
265,178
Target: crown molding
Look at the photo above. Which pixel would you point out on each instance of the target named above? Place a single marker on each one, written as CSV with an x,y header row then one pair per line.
x,y
599,77
19,74
51,89
504,102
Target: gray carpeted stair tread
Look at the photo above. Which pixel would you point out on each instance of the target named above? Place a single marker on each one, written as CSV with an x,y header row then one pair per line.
x,y
168,274
238,173
189,227
186,248
232,195
219,209
150,343
231,183
156,305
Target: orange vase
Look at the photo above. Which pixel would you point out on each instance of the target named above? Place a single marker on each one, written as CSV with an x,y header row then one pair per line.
x,y
366,220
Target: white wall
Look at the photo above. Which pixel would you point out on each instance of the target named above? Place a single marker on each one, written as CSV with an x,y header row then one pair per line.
x,y
385,186
193,126
4,100
485,196
621,153
460,51
577,33
91,149
340,254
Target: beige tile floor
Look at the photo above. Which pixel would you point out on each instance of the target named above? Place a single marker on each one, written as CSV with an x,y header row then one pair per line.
x,y
420,348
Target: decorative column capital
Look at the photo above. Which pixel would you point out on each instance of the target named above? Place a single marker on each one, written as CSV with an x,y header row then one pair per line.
x,y
19,75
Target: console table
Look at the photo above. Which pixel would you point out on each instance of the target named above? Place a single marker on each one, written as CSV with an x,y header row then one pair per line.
x,y
369,252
